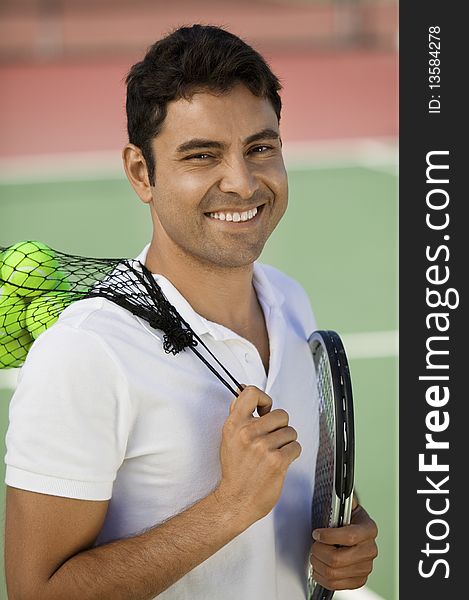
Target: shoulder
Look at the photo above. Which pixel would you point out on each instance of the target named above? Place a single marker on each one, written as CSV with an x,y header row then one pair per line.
x,y
93,314
81,338
71,369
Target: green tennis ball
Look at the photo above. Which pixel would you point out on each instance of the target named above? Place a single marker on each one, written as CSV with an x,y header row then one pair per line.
x,y
44,311
13,353
12,316
31,268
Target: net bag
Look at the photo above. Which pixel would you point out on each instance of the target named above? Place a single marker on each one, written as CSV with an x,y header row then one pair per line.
x,y
38,283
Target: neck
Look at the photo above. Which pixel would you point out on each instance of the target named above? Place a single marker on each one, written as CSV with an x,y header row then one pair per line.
x,y
220,294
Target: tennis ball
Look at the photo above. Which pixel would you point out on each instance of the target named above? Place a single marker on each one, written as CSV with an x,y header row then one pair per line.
x,y
12,316
13,353
31,268
44,312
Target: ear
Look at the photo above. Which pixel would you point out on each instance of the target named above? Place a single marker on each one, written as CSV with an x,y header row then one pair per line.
x,y
136,170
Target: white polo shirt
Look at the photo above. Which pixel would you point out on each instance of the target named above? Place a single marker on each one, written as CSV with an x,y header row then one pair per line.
x,y
102,412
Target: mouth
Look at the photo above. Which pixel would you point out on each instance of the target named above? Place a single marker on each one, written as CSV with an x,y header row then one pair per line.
x,y
236,217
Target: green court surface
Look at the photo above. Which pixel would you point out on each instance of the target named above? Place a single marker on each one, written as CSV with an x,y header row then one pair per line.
x,y
338,238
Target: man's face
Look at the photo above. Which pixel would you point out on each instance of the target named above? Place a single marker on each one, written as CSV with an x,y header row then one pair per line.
x,y
218,159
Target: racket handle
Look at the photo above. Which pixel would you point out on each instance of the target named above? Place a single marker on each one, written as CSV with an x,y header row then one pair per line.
x,y
321,593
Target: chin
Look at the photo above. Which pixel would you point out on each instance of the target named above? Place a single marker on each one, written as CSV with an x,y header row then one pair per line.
x,y
237,259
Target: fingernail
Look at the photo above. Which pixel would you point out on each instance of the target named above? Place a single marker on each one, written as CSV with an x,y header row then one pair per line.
x,y
316,535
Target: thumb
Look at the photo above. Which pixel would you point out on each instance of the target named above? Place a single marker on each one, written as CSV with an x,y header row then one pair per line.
x,y
233,402
250,399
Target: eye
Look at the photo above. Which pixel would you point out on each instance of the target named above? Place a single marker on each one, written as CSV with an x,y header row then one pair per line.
x,y
260,149
201,156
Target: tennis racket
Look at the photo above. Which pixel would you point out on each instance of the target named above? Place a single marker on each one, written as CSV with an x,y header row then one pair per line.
x,y
333,489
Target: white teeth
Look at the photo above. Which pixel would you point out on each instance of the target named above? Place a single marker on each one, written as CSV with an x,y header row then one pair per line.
x,y
236,217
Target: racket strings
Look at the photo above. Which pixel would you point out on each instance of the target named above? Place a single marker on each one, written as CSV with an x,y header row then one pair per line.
x,y
325,461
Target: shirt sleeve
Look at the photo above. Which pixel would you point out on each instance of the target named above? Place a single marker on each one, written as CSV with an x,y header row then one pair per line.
x,y
69,417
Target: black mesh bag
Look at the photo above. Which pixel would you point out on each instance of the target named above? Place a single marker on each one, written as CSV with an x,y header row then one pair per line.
x,y
37,283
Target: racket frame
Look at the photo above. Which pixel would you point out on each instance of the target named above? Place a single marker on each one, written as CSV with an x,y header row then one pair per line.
x,y
330,344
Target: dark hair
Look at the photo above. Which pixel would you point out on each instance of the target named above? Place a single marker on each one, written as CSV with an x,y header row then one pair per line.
x,y
188,60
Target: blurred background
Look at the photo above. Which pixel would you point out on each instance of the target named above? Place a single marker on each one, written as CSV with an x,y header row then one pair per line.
x,y
62,127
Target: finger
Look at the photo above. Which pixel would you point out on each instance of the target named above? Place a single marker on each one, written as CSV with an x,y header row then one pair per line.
x,y
359,516
363,528
359,569
248,400
291,451
241,387
344,557
279,438
263,410
275,419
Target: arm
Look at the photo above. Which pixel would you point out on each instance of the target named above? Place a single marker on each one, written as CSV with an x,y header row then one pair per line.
x,y
49,552
51,538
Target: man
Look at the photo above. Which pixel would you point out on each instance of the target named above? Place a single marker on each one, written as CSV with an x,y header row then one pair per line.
x,y
133,474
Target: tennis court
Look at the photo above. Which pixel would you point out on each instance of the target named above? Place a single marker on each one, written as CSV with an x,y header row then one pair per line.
x,y
352,188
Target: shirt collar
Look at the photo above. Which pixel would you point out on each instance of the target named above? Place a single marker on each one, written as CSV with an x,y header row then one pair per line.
x,y
270,297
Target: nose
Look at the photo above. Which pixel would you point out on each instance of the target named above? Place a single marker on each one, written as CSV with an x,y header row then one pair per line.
x,y
238,177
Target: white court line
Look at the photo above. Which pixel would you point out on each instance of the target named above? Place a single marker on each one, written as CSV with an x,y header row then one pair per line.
x,y
8,378
65,166
378,154
371,344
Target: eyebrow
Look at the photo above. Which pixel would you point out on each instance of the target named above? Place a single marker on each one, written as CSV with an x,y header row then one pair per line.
x,y
198,143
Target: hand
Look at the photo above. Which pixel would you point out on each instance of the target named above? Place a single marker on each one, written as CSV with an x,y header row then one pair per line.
x,y
255,454
342,557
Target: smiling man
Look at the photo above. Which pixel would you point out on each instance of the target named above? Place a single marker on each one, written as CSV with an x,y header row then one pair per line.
x,y
220,189
135,475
